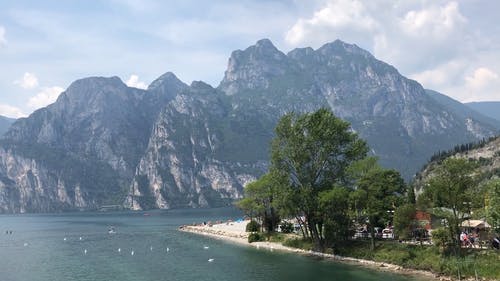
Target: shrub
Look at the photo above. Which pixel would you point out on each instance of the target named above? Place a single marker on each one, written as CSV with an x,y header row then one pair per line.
x,y
255,237
252,226
276,237
304,244
286,227
395,255
441,238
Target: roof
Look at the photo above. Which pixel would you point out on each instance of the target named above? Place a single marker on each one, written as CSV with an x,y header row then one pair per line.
x,y
475,223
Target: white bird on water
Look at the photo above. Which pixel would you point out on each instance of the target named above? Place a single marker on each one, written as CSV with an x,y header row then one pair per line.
x,y
206,247
85,251
80,238
64,238
168,249
132,253
25,244
119,250
151,248
210,260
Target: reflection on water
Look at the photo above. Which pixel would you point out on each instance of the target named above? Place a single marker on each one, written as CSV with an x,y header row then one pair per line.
x,y
78,246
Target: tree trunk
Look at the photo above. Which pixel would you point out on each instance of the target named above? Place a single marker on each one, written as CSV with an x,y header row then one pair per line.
x,y
316,238
301,224
372,236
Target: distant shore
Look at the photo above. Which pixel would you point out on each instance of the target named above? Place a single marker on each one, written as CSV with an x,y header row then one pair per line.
x,y
234,232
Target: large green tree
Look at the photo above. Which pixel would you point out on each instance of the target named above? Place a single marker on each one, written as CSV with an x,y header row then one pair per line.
x,y
404,221
451,189
260,201
378,193
311,152
334,204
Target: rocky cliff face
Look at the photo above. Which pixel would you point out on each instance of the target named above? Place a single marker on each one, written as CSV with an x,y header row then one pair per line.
x,y
184,163
174,145
48,181
100,118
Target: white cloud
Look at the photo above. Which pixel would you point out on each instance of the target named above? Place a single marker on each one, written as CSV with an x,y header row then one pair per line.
x,y
133,81
434,21
424,38
483,84
343,19
3,40
441,75
11,111
410,35
481,78
45,97
29,81
462,82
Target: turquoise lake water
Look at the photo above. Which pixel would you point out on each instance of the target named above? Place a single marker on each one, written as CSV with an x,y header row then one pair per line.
x,y
37,250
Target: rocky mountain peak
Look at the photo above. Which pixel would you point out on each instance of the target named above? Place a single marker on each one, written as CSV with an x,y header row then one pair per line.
x,y
300,53
167,82
91,84
339,48
200,85
265,46
254,67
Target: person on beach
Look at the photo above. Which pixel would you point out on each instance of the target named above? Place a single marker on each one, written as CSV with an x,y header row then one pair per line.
x,y
463,238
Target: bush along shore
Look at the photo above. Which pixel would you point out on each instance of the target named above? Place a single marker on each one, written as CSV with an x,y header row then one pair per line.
x,y
425,261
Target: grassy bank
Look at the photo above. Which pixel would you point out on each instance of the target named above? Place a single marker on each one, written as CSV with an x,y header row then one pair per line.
x,y
471,262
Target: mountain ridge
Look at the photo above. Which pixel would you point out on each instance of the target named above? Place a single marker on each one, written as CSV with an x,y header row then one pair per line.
x,y
177,145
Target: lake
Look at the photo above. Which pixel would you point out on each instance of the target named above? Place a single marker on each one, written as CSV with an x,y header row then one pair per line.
x,y
147,246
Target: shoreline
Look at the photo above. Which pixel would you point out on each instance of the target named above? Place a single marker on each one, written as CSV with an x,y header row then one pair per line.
x,y
220,232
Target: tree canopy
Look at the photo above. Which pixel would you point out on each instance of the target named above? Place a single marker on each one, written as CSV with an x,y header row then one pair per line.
x,y
451,189
311,152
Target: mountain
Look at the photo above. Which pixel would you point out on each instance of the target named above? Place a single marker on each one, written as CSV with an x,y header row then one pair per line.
x,y
488,108
177,145
5,123
401,122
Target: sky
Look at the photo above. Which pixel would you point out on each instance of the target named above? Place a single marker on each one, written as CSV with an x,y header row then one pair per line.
x,y
449,46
